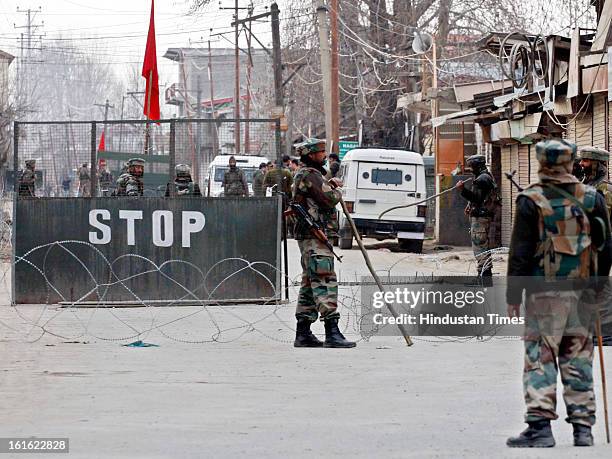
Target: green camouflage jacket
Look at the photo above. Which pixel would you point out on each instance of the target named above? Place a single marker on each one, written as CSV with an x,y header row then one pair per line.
x,y
565,249
311,190
234,183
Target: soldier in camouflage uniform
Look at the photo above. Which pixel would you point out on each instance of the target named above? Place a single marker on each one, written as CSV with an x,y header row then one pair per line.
x,y
105,178
84,181
594,164
130,183
258,178
483,197
561,232
234,181
281,177
319,289
183,183
27,180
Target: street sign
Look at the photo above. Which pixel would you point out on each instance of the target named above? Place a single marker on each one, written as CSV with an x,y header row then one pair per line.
x,y
344,146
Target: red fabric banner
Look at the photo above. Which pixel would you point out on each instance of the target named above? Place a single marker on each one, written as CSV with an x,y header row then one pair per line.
x,y
149,72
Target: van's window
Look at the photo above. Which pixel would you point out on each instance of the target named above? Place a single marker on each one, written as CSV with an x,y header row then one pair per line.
x,y
387,176
248,172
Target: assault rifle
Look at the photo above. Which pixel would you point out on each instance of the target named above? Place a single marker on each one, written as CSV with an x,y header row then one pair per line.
x,y
297,211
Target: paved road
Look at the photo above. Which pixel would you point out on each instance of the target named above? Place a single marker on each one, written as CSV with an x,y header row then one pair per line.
x,y
253,395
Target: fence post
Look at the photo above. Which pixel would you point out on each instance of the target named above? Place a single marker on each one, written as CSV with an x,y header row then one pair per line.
x,y
172,156
16,159
278,142
93,173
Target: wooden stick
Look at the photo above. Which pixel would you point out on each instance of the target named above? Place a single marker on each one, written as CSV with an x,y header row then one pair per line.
x,y
604,387
371,269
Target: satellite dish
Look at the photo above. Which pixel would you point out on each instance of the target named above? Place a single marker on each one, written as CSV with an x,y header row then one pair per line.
x,y
422,42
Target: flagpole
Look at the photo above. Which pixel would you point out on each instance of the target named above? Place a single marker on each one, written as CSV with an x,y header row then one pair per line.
x,y
147,127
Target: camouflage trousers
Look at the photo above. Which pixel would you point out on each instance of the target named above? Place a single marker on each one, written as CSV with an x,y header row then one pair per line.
x,y
558,341
479,234
319,288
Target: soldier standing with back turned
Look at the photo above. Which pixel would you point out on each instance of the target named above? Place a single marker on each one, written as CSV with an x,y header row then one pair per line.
x,y
561,234
27,180
482,200
319,289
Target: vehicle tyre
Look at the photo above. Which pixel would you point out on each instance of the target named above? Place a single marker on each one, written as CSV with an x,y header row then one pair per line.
x,y
411,245
345,243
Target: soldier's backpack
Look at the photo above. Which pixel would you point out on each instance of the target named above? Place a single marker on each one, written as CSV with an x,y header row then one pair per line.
x,y
566,249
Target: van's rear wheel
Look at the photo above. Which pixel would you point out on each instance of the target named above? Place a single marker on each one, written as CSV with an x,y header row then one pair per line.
x,y
345,243
411,245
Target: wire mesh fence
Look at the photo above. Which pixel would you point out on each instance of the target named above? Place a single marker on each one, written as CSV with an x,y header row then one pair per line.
x,y
74,158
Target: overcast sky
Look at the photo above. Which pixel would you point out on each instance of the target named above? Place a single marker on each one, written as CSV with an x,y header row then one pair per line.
x,y
116,30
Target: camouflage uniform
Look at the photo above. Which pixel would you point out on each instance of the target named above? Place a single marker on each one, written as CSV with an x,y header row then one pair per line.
x,y
258,178
234,183
105,179
84,181
597,177
279,176
552,239
482,199
319,287
183,184
27,180
129,184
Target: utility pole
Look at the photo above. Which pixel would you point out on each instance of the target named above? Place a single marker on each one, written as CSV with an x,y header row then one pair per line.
x,y
276,56
236,23
325,69
198,149
247,109
212,104
237,81
30,29
335,79
276,51
106,105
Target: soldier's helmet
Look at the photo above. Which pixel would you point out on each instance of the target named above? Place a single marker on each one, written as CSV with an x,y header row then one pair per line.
x,y
594,153
555,152
310,146
133,163
182,171
476,162
30,163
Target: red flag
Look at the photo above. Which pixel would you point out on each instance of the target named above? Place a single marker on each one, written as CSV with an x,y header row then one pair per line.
x,y
102,144
149,71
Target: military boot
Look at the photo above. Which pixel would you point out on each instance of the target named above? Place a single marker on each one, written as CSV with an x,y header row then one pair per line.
x,y
537,435
333,336
303,335
582,435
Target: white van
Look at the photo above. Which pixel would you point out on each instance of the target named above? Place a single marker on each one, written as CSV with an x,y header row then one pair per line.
x,y
376,179
213,183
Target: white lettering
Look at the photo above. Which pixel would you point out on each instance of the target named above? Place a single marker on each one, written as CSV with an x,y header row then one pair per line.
x,y
193,222
167,217
104,229
130,216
